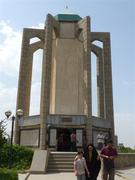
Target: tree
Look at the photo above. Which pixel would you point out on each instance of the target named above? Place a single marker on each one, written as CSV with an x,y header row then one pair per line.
x,y
3,139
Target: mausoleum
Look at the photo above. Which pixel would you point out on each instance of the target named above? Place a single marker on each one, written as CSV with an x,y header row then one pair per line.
x,y
66,86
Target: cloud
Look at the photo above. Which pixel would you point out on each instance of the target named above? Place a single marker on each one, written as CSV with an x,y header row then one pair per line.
x,y
10,49
7,98
10,44
40,26
125,126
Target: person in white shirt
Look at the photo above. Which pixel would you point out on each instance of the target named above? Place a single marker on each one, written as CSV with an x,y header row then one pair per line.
x,y
100,140
80,166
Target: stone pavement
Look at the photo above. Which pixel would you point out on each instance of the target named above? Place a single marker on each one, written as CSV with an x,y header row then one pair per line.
x,y
128,174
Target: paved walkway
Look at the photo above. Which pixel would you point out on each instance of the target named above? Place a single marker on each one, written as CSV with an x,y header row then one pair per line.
x,y
128,174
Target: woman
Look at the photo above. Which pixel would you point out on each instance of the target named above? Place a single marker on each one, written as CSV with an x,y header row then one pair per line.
x,y
93,162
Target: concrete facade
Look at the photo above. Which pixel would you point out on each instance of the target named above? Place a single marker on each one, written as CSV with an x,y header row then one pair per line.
x,y
67,78
66,88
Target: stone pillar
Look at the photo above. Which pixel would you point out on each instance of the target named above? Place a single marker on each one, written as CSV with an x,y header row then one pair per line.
x,y
24,84
108,94
87,76
46,78
100,87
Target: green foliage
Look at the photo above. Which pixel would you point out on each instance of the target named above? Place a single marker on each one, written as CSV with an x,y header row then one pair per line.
x,y
21,156
126,150
8,174
3,139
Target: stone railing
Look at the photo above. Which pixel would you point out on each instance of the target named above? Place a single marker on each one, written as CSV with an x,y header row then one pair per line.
x,y
125,160
101,122
29,120
54,119
66,119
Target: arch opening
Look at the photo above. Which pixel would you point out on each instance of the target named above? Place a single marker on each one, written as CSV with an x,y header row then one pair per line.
x,y
36,83
98,43
94,84
33,40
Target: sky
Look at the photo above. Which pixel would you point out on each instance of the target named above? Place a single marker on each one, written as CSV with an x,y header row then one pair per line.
x,y
114,16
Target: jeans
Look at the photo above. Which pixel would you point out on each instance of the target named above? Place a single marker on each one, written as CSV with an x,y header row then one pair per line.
x,y
81,177
108,174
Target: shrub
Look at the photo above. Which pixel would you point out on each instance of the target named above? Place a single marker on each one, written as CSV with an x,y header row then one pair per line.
x,y
8,174
21,156
126,150
3,134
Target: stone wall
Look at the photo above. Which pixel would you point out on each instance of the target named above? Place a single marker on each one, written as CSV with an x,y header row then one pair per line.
x,y
125,160
33,140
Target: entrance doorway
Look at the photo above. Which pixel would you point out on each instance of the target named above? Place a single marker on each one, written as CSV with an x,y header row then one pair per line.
x,y
60,139
63,139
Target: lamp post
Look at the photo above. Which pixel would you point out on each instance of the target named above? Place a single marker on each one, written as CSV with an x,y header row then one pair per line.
x,y
8,113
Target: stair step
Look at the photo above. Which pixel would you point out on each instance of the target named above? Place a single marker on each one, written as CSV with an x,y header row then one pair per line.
x,y
61,159
62,152
62,155
59,165
53,156
60,170
66,157
61,162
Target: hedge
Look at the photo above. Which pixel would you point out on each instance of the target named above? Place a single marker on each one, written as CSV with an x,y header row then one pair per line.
x,y
21,156
8,174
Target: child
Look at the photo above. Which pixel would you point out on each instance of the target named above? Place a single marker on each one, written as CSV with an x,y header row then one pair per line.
x,y
80,166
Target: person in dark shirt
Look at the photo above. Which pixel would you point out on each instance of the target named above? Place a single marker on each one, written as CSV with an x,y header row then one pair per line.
x,y
73,141
108,153
93,162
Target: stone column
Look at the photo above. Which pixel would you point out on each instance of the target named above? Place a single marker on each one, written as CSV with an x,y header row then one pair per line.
x,y
85,24
100,87
46,78
108,94
24,84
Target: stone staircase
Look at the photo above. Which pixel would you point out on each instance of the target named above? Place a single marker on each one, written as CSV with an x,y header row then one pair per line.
x,y
60,162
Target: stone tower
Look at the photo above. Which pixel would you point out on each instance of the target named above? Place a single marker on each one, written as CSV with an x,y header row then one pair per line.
x,y
66,102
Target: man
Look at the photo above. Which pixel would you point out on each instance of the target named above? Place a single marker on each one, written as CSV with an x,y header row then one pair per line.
x,y
108,153
73,141
100,140
106,138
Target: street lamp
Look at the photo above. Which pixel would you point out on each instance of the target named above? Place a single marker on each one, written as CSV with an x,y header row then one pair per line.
x,y
8,113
